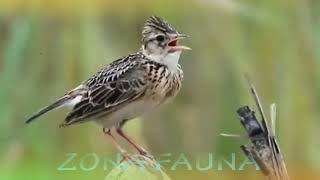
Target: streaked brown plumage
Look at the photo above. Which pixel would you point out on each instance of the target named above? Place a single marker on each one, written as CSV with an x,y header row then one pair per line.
x,y
129,86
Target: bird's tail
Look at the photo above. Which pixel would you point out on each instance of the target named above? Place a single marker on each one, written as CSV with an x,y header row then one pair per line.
x,y
58,103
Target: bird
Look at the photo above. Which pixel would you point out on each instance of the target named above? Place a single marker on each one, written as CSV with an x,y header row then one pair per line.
x,y
129,86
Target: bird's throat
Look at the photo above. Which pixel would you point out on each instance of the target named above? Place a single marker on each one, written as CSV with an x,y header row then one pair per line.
x,y
171,60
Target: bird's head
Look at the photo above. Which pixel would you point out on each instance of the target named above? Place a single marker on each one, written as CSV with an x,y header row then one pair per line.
x,y
159,39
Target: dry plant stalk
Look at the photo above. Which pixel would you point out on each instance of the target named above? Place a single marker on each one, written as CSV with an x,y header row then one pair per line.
x,y
264,148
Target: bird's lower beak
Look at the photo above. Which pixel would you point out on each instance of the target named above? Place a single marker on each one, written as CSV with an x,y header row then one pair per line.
x,y
174,46
180,48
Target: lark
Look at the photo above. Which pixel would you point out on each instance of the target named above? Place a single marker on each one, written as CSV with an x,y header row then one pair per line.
x,y
129,86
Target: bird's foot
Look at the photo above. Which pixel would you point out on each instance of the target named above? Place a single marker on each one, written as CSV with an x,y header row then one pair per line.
x,y
145,153
125,156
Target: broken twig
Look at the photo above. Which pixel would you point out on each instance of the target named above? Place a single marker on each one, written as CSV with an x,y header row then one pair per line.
x,y
264,148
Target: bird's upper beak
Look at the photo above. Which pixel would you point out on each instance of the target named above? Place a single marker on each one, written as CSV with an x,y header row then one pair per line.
x,y
174,43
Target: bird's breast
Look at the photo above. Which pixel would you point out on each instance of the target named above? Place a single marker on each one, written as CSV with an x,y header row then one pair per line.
x,y
166,86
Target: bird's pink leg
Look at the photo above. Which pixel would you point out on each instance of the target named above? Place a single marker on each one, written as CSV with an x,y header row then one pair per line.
x,y
134,144
116,144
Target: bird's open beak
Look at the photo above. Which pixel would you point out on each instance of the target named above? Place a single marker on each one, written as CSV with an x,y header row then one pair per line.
x,y
174,43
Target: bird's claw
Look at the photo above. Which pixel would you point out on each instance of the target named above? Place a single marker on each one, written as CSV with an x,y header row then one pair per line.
x,y
125,156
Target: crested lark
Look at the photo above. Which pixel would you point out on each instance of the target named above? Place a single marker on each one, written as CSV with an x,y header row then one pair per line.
x,y
129,86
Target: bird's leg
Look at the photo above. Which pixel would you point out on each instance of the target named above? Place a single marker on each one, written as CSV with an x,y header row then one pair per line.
x,y
124,153
120,131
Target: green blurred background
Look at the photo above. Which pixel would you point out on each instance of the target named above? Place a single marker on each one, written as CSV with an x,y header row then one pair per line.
x,y
50,46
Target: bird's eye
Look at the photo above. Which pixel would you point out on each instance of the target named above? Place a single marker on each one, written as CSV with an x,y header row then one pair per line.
x,y
160,38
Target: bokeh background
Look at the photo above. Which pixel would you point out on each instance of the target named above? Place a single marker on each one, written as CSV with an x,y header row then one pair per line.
x,y
50,46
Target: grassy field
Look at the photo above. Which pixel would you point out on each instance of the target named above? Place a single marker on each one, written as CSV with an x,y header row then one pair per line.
x,y
48,47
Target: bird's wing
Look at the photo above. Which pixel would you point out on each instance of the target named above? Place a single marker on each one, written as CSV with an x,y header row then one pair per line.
x,y
121,82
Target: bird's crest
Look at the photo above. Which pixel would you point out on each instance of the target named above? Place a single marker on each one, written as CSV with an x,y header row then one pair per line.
x,y
156,23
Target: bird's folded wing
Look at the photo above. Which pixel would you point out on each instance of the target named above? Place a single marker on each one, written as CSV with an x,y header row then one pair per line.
x,y
108,91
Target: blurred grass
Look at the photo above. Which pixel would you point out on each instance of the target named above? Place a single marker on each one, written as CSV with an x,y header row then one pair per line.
x,y
48,47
